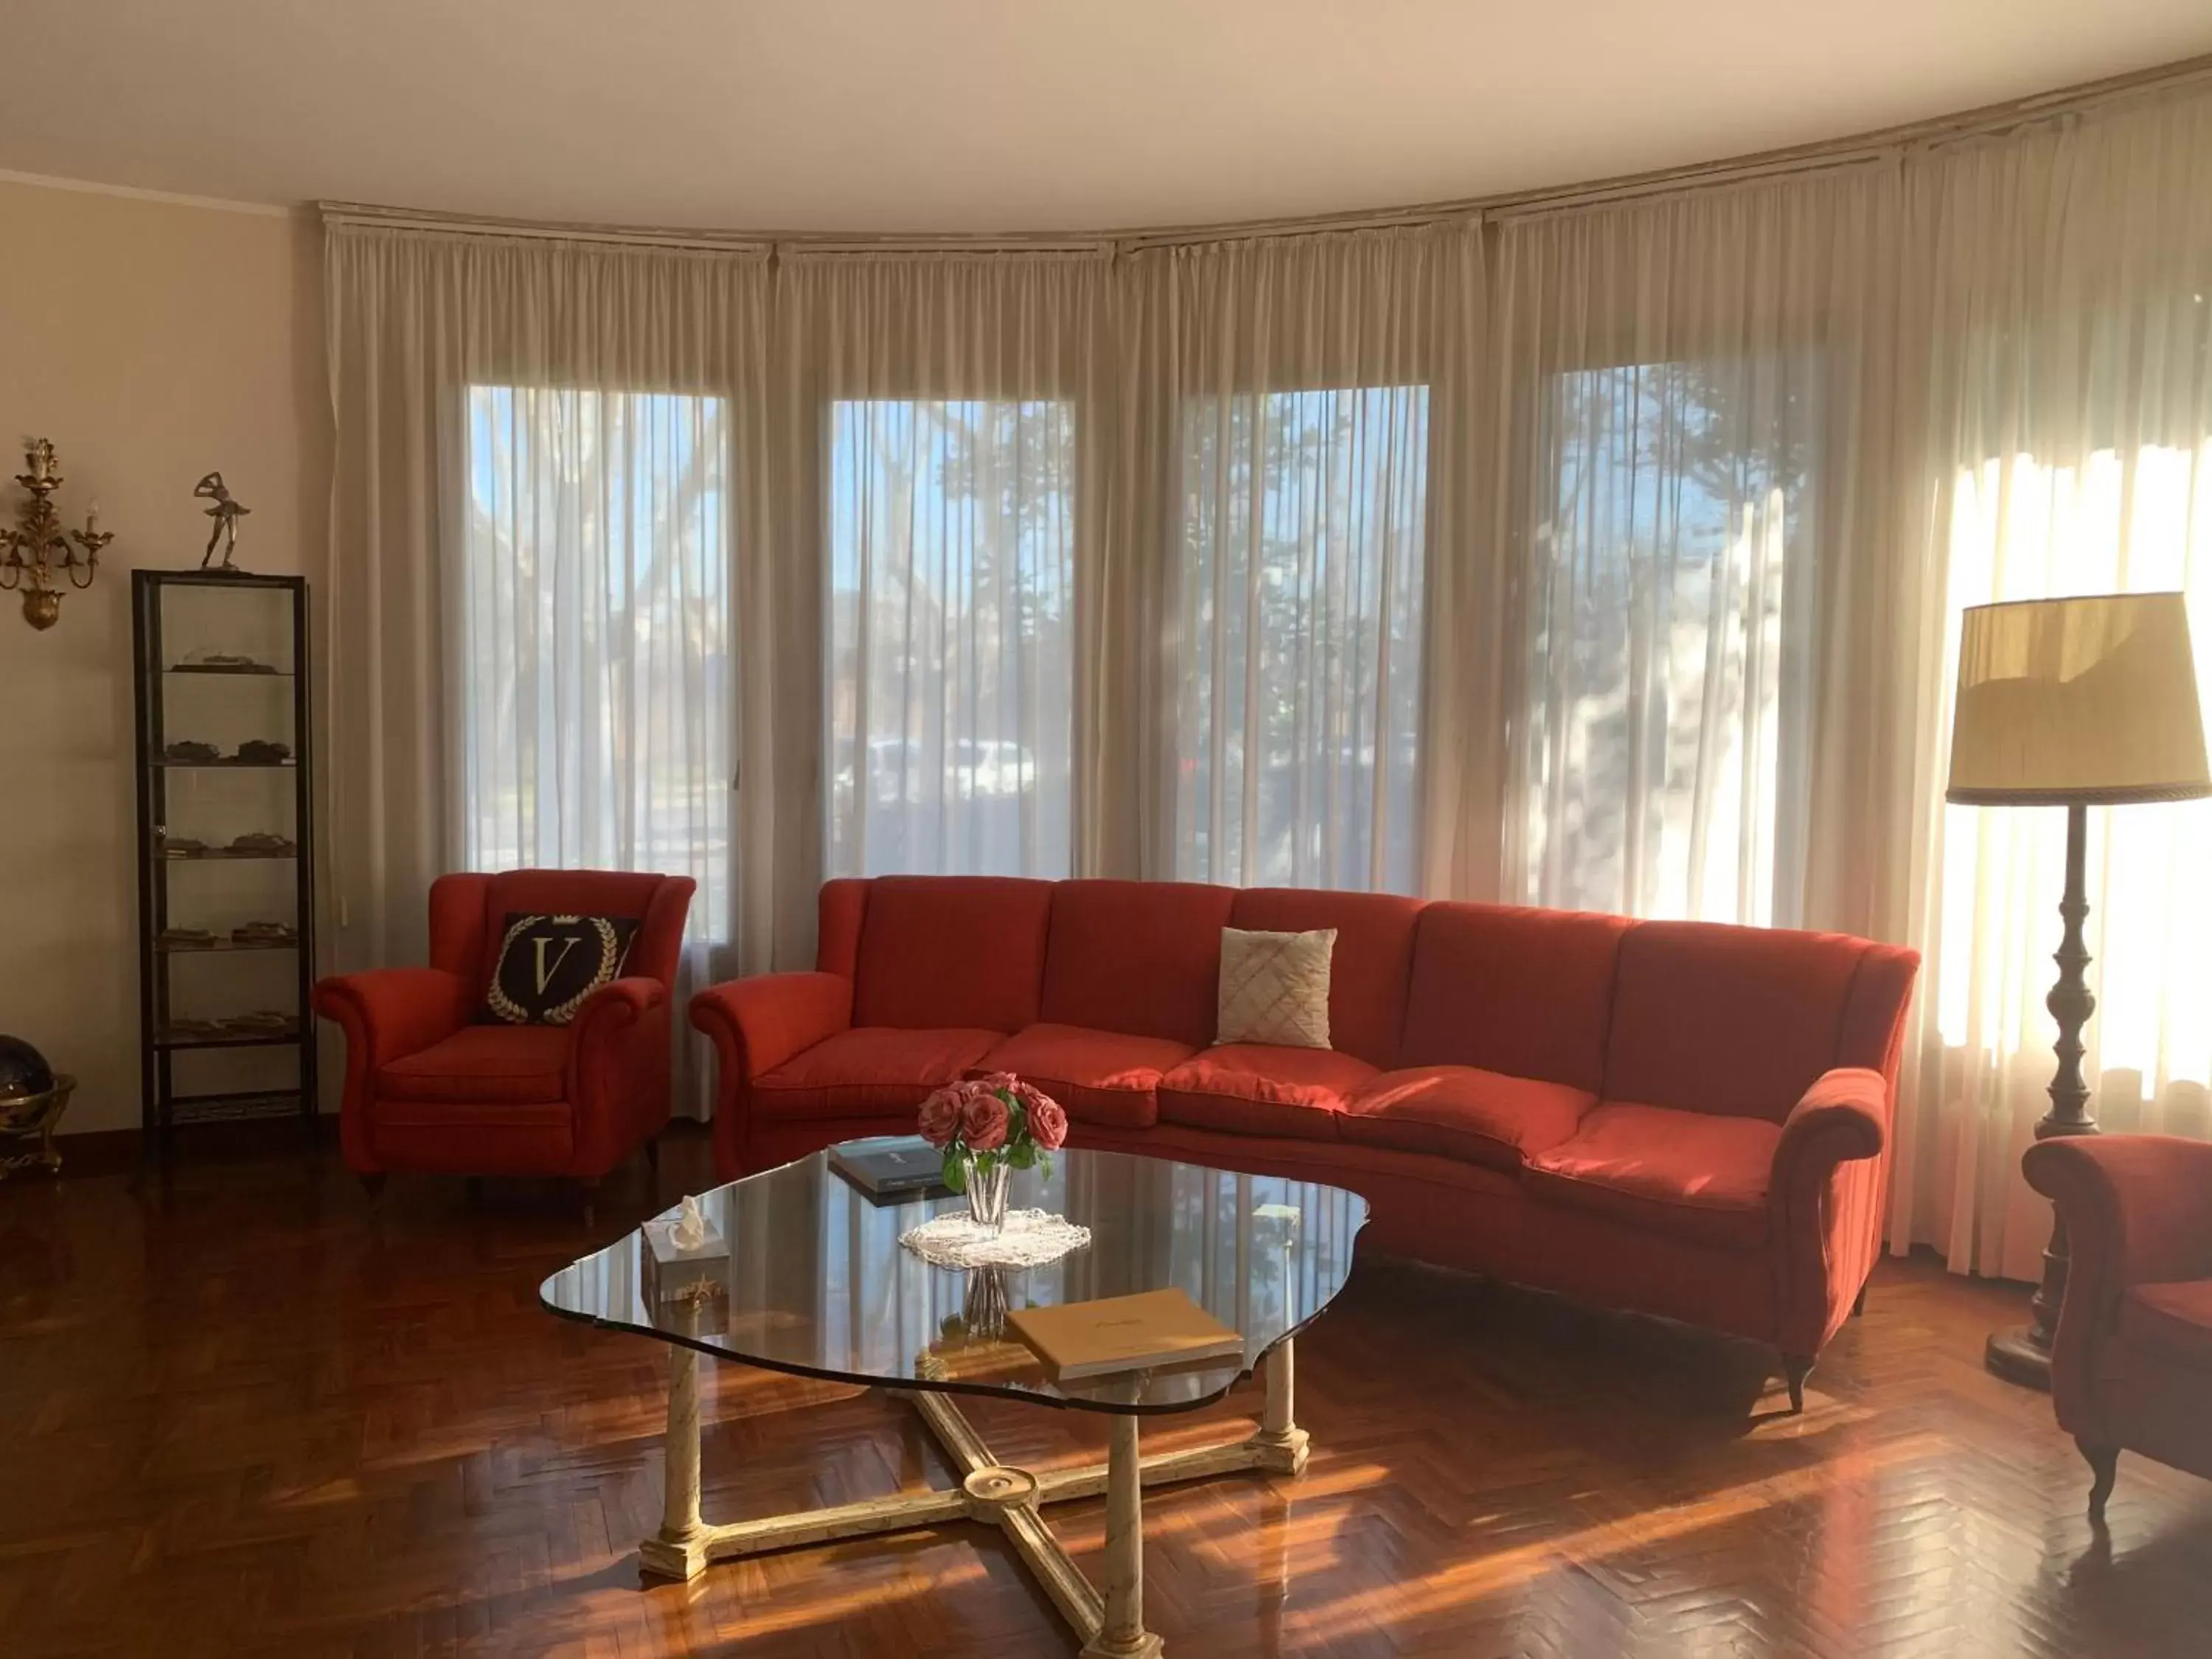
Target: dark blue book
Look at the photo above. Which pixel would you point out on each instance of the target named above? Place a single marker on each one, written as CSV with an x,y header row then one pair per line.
x,y
892,1169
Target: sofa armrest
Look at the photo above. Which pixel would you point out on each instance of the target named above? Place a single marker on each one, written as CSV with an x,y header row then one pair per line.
x,y
2140,1204
761,1022
1844,1114
756,1026
1824,1195
617,1071
388,1013
2137,1210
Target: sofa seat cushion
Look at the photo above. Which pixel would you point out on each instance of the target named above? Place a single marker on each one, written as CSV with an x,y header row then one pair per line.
x,y
2171,1320
1257,1088
1100,1076
869,1069
508,1064
1693,1174
1460,1112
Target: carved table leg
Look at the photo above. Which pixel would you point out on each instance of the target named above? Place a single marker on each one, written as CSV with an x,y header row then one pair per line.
x,y
1280,1443
1122,1634
679,1549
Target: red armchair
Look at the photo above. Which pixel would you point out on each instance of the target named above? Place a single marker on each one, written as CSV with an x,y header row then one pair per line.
x,y
429,1089
2131,1365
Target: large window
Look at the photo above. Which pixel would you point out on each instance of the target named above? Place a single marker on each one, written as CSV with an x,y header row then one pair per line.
x,y
951,651
596,704
1673,527
1302,517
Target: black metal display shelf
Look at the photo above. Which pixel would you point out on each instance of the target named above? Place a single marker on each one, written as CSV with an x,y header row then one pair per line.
x,y
234,612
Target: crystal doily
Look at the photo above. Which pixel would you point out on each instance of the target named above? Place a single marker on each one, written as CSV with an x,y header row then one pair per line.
x,y
1031,1238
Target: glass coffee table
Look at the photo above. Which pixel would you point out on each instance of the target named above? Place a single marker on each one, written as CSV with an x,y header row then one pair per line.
x,y
817,1284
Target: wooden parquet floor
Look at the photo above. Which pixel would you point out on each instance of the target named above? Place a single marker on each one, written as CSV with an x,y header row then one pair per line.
x,y
240,1415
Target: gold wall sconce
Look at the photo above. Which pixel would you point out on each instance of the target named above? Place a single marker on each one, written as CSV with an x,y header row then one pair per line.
x,y
38,554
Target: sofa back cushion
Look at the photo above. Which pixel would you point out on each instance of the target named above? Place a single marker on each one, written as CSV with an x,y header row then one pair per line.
x,y
839,911
1138,957
1368,968
939,952
1739,1021
1524,991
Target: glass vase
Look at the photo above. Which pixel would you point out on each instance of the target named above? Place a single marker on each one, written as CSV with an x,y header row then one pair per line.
x,y
987,1196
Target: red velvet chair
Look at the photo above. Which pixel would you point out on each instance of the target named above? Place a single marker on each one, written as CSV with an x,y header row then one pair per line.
x,y
429,1089
2131,1366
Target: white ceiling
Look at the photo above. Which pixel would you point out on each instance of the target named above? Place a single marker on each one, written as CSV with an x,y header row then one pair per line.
x,y
995,114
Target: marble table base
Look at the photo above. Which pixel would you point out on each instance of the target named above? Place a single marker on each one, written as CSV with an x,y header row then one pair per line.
x,y
1111,1622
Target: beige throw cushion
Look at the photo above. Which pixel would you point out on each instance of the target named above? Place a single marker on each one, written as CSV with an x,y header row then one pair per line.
x,y
1274,988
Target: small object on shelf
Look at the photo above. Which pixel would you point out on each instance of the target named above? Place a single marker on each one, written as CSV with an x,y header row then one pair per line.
x,y
182,1028
263,751
685,1254
222,662
264,932
192,751
187,937
226,512
262,1020
181,847
32,1099
263,842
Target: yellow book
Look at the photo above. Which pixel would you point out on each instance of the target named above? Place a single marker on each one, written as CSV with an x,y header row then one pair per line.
x,y
1149,1331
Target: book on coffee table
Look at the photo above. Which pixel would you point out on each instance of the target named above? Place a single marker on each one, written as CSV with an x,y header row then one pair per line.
x,y
892,1169
1152,1330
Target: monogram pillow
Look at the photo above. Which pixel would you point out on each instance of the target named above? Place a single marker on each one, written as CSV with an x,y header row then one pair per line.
x,y
548,964
1274,988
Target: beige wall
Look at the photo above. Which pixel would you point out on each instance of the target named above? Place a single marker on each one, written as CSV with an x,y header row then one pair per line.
x,y
152,341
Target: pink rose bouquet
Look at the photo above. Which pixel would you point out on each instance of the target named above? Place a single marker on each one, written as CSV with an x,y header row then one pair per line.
x,y
987,1123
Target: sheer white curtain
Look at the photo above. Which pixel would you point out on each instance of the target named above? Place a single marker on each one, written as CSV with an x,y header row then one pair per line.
x,y
1683,383
2069,452
536,497
1290,414
596,707
944,406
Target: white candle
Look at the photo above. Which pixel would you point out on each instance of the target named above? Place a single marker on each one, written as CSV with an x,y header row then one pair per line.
x,y
92,519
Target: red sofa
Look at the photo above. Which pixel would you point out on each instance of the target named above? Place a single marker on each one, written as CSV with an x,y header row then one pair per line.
x,y
2131,1366
428,1088
1677,1118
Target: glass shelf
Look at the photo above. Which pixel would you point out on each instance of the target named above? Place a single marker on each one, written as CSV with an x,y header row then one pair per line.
x,y
224,855
220,765
231,673
173,1038
180,948
232,1105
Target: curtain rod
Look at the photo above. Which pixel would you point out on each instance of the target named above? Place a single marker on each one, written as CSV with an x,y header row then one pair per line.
x,y
1821,155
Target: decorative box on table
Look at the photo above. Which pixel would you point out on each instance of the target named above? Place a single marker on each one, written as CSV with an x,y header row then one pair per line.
x,y
686,1256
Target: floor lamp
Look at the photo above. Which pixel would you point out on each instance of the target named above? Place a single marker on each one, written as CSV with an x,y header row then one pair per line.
x,y
2077,703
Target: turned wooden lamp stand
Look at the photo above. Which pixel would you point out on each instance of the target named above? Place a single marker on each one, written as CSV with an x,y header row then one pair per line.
x,y
2074,703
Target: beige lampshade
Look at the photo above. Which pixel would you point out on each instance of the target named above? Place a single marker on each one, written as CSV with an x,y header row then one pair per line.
x,y
2091,700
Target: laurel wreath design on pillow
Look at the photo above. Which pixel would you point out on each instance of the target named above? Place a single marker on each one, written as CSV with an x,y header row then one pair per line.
x,y
612,941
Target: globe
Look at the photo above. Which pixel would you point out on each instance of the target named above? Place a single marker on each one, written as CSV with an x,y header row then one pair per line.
x,y
23,1071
